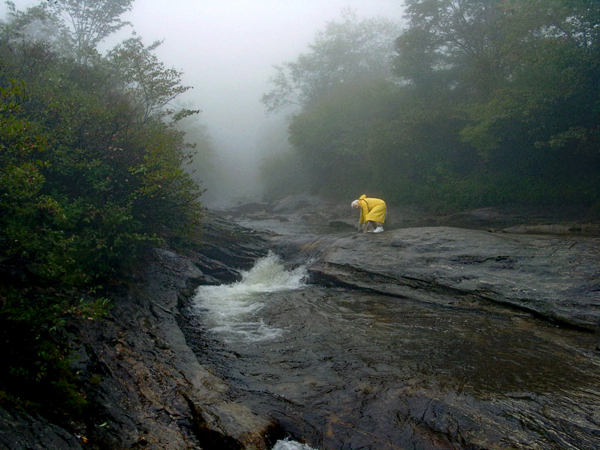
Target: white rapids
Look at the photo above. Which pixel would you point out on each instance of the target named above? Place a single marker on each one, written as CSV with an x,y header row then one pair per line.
x,y
291,445
233,310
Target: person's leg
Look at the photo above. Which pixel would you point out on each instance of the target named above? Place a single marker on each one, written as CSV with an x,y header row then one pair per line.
x,y
378,227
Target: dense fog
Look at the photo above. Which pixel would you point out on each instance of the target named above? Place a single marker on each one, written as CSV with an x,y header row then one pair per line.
x,y
390,98
226,50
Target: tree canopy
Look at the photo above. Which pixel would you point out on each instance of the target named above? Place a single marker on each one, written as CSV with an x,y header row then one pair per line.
x,y
345,52
492,102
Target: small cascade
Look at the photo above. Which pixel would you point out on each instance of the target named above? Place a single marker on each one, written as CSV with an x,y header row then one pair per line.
x,y
233,310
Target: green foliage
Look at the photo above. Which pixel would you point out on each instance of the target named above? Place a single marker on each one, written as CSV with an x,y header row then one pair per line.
x,y
148,84
165,200
86,24
36,358
345,52
91,176
333,137
495,102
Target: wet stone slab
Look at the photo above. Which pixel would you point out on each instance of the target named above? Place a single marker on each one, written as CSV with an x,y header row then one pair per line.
x,y
428,338
423,338
555,277
359,370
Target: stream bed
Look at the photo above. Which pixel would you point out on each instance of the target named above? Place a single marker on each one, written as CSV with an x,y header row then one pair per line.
x,y
347,369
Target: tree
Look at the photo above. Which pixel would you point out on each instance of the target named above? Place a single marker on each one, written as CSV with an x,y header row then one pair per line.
x,y
91,176
344,52
496,101
340,88
150,86
523,79
88,23
458,44
332,137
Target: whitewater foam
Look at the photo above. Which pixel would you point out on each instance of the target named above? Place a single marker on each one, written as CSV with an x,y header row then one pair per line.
x,y
232,310
291,445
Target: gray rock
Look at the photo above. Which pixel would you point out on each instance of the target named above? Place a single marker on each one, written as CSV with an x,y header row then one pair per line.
x,y
153,391
150,390
21,431
341,224
557,278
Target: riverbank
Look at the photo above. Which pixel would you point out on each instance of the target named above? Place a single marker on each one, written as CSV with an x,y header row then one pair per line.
x,y
309,213
497,319
147,386
541,261
144,385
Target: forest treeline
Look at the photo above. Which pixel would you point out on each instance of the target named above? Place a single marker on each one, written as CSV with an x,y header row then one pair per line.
x,y
92,174
472,103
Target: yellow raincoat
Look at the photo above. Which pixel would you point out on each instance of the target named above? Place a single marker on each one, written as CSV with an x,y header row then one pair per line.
x,y
371,209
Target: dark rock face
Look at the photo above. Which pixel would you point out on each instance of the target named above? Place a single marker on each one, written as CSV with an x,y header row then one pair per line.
x,y
557,278
152,391
149,389
225,250
19,431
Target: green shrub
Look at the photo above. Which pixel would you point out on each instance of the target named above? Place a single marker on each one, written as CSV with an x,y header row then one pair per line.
x,y
88,183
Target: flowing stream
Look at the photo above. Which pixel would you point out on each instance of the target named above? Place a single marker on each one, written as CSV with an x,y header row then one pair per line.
x,y
343,369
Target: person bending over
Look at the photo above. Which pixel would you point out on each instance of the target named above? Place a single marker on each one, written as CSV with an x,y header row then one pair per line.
x,y
372,214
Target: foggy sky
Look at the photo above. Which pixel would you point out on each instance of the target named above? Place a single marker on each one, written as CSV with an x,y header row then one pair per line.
x,y
226,50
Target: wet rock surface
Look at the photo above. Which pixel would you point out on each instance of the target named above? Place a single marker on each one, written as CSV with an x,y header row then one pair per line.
x,y
544,262
431,337
557,278
21,431
146,387
472,330
363,370
312,214
152,392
